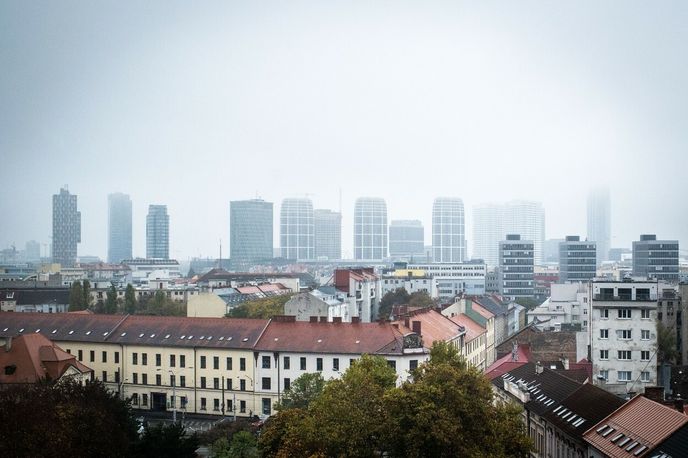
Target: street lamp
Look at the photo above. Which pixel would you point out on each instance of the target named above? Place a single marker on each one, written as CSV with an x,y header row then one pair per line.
x,y
174,393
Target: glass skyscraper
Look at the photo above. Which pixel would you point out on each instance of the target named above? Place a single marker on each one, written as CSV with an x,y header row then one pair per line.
x,y
119,227
406,238
448,232
250,232
370,229
66,228
297,230
600,221
328,234
157,232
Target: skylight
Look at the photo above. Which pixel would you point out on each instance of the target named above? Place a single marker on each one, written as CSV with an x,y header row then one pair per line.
x,y
21,330
617,437
105,333
140,335
221,338
579,422
608,432
5,330
557,409
167,336
183,336
624,441
70,332
640,450
88,333
202,337
54,331
245,339
229,338
123,334
599,430
632,446
152,335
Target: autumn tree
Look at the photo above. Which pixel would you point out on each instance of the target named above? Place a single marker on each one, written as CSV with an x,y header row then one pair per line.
x,y
302,391
263,308
397,297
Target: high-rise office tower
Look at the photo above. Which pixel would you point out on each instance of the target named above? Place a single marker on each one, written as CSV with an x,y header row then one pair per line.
x,y
32,251
448,234
577,260
492,222
406,238
370,229
600,221
655,259
250,232
516,274
157,232
297,229
66,228
328,234
119,227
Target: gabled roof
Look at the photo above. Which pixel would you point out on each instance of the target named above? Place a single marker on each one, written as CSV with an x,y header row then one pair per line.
x,y
473,329
675,446
634,429
491,303
482,311
507,362
434,326
34,357
343,338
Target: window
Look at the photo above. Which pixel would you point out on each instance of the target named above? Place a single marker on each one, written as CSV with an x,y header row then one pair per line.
x,y
158,379
216,362
202,382
81,355
266,383
229,384
144,379
242,364
242,406
645,334
624,355
216,404
266,406
182,360
624,376
392,364
104,376
135,378
172,361
604,314
318,364
624,334
135,399
604,354
604,333
624,314
203,404
182,381
604,374
172,380
266,362
645,376
287,383
158,359
413,364
144,399
230,407
303,363
116,376
216,383
92,356
645,314
116,357
229,363
202,362
144,359
242,385
183,401
287,363
645,355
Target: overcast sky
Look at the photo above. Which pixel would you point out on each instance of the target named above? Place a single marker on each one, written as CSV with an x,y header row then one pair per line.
x,y
194,104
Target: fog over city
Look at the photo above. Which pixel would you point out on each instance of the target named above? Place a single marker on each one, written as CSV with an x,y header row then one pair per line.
x,y
192,105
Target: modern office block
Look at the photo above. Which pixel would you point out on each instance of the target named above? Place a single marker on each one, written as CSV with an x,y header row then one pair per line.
x,y
406,238
157,232
250,231
66,228
600,221
577,260
328,234
119,228
297,229
370,229
448,232
516,275
656,259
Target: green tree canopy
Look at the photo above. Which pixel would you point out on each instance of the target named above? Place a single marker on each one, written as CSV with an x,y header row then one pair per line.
x,y
397,297
264,308
86,292
76,297
111,300
666,344
166,441
420,299
302,391
130,299
243,445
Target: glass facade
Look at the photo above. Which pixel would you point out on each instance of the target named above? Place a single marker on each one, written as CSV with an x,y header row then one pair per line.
x,y
577,260
157,232
297,229
370,229
448,235
119,228
66,228
250,231
406,238
328,234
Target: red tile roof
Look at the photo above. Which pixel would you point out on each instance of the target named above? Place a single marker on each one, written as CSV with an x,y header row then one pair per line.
x,y
506,363
434,326
473,329
482,311
642,421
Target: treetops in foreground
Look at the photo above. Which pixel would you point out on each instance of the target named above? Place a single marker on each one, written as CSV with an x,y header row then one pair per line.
x,y
446,410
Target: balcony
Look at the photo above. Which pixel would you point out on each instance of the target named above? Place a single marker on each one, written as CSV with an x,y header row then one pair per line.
x,y
611,298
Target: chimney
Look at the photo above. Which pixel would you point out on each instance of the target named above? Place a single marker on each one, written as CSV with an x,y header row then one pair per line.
x,y
355,319
8,344
679,404
395,325
655,393
416,327
538,368
323,319
406,322
313,319
564,362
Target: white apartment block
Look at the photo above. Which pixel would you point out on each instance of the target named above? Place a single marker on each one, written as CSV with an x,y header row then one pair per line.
x,y
567,304
455,278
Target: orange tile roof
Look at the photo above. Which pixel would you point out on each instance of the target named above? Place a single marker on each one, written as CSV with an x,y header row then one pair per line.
x,y
433,326
640,421
482,311
473,329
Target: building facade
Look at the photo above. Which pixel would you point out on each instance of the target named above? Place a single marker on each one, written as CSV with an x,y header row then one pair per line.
x,y
516,267
448,231
297,229
66,228
328,234
157,232
600,221
119,228
406,238
250,231
454,279
577,260
656,259
370,229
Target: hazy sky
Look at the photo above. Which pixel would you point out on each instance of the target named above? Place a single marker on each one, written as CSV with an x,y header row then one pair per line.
x,y
194,104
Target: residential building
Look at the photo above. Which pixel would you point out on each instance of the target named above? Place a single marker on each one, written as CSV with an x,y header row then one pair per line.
x,y
577,260
600,222
34,297
453,279
370,229
623,338
448,233
119,228
157,232
544,277
297,229
671,304
328,234
485,319
406,239
567,305
656,259
250,232
66,228
492,222
475,341
516,267
412,281
364,286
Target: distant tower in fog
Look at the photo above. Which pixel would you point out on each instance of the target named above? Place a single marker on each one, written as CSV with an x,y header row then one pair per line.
x,y
328,234
370,229
119,227
66,228
297,238
448,232
157,232
600,221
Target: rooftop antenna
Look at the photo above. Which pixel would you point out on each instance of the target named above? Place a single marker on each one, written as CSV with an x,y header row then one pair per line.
x,y
219,261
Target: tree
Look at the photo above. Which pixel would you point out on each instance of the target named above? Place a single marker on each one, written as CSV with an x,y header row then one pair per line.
x,y
130,299
420,299
76,297
86,292
243,445
397,297
111,300
666,344
166,441
65,418
264,308
220,448
302,391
